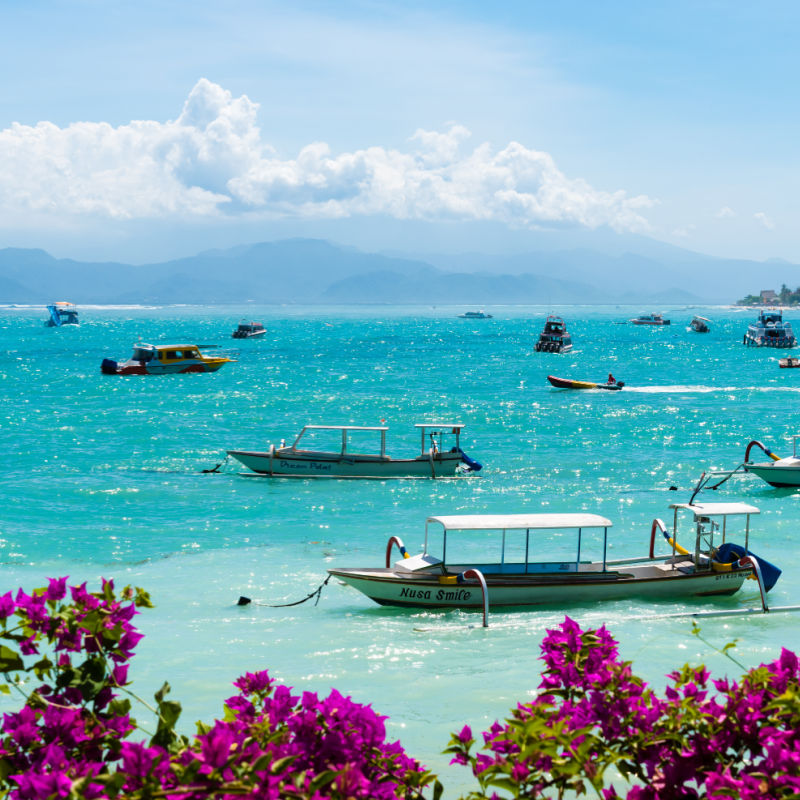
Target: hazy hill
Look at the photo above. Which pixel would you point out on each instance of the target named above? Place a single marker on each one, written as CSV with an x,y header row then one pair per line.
x,y
316,271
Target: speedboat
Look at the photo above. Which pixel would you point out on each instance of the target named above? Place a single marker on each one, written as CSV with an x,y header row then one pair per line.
x,y
779,472
475,315
699,325
436,459
61,313
789,363
454,571
554,337
770,330
650,319
163,359
563,383
249,330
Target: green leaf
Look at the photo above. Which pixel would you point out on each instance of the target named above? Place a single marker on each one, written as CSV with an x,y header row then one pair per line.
x,y
10,660
162,692
322,780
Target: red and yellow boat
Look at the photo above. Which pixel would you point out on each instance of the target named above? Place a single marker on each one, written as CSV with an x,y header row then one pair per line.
x,y
164,359
563,383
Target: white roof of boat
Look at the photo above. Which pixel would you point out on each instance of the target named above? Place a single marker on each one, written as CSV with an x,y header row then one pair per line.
x,y
717,509
480,522
345,428
705,319
439,425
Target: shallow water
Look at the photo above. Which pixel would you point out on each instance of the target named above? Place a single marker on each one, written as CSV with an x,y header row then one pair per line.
x,y
103,478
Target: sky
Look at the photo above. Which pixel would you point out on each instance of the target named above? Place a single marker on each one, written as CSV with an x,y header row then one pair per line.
x,y
138,131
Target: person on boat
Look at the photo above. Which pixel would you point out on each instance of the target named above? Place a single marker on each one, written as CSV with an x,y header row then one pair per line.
x,y
611,378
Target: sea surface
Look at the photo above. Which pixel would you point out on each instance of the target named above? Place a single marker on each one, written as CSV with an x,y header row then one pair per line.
x,y
102,477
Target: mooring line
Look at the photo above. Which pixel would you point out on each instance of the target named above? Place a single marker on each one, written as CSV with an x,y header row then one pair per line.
x,y
245,601
216,469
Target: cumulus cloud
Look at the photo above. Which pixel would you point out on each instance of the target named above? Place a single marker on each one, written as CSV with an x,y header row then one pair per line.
x,y
725,213
213,161
764,220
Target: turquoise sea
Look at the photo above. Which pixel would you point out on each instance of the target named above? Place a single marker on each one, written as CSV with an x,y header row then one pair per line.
x,y
102,477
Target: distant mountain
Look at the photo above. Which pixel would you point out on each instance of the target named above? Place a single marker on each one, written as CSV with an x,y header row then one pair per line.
x,y
317,271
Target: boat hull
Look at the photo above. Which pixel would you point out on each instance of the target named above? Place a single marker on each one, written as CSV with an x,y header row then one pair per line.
x,y
779,476
281,465
387,587
563,383
109,367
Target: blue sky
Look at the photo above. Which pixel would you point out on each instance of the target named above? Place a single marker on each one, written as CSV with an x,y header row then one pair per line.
x,y
364,121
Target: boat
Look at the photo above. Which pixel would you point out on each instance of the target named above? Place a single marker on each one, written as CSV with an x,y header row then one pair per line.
x,y
436,460
564,383
61,313
778,472
475,315
700,325
650,319
164,359
789,363
770,330
554,337
249,330
453,570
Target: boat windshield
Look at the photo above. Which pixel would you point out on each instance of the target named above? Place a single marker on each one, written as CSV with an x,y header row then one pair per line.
x,y
142,354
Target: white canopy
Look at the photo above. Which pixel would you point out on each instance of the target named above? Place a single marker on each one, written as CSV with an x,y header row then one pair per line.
x,y
438,425
344,428
717,509
494,522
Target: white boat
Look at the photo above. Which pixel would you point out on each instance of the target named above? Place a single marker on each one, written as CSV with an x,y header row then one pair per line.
x,y
779,472
249,330
437,458
475,315
61,313
554,338
650,319
461,575
770,330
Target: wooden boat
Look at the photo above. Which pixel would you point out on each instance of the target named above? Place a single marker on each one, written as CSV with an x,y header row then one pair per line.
x,y
789,363
770,330
699,325
554,338
437,458
249,330
779,472
564,383
650,319
452,570
165,359
61,313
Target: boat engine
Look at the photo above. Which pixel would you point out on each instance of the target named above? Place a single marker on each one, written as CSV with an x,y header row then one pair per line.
x,y
108,367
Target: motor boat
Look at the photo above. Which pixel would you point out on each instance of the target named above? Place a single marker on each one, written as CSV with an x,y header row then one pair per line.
x,y
778,472
650,319
61,313
249,330
789,363
699,325
438,458
455,570
770,330
164,359
564,383
475,315
554,337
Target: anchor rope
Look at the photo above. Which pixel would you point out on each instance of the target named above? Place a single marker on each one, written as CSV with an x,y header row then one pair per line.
x,y
216,469
243,601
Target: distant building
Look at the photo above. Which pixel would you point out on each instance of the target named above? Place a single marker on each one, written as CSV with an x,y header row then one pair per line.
x,y
768,296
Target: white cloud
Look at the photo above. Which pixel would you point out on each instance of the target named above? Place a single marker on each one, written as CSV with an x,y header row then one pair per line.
x,y
684,232
212,161
725,213
761,217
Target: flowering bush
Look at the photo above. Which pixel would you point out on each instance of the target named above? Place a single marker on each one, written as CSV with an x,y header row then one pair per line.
x,y
593,717
71,737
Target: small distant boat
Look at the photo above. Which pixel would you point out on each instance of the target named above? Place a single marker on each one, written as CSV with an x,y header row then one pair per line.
x,y
789,363
700,325
770,330
436,459
475,315
563,383
779,472
554,337
165,359
650,319
249,330
516,571
62,313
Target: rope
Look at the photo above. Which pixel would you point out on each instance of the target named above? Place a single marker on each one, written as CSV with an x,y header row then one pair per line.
x,y
216,469
705,480
244,601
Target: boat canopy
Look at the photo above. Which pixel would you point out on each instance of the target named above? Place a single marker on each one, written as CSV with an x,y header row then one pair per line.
x,y
344,428
717,509
494,522
452,425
